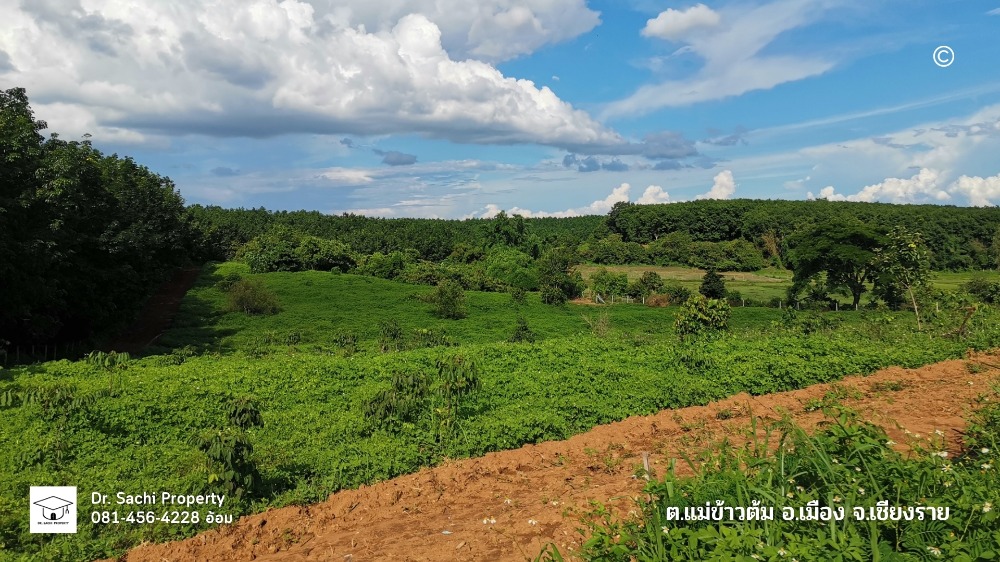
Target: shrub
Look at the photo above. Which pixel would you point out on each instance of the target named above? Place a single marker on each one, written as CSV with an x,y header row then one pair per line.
x,y
522,333
700,314
252,297
712,285
449,300
552,294
228,281
677,293
518,295
983,289
658,300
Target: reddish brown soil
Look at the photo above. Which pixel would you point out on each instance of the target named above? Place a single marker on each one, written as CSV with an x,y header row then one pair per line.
x,y
157,314
536,494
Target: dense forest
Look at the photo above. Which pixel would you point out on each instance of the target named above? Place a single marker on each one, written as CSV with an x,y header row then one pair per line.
x,y
85,237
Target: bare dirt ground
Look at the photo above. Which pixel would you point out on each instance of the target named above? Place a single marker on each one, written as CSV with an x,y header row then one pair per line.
x,y
509,505
158,312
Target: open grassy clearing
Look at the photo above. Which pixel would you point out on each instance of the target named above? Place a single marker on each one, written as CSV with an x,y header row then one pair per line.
x,y
759,286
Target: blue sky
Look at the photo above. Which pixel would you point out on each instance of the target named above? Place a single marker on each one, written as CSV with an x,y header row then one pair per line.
x,y
443,108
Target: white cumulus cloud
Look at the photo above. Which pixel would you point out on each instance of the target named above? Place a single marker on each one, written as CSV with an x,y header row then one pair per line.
x,y
261,68
921,188
723,186
674,24
654,194
982,192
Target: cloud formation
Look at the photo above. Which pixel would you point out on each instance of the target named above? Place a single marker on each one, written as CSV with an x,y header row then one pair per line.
x,y
730,44
921,188
723,187
259,68
982,192
674,25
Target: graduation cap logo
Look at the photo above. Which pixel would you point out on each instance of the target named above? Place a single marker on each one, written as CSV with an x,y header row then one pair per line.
x,y
54,508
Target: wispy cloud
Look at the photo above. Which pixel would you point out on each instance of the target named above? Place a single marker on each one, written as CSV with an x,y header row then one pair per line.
x,y
730,42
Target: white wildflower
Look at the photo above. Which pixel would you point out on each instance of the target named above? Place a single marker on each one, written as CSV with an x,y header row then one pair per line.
x,y
532,522
836,499
890,443
987,507
934,550
985,450
986,466
939,433
664,529
790,495
861,491
857,469
942,454
782,552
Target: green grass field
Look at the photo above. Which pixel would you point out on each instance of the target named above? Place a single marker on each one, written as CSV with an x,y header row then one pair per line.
x,y
759,286
131,430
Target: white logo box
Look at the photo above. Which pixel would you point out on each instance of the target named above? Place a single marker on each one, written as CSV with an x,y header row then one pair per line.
x,y
52,509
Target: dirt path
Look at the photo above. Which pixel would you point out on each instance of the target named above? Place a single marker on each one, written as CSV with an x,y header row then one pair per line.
x,y
509,505
157,313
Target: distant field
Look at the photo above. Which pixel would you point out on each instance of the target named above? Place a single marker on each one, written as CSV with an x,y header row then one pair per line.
x,y
762,285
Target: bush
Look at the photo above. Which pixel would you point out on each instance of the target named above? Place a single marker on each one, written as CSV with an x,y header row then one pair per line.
x,y
228,281
449,300
658,300
252,297
677,293
700,314
553,295
712,285
522,333
983,289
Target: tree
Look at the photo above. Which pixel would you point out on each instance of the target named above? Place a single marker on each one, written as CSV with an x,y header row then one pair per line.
x,y
844,250
556,279
903,265
507,231
712,285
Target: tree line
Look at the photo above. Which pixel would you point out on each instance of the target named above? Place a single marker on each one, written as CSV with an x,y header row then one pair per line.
x,y
85,237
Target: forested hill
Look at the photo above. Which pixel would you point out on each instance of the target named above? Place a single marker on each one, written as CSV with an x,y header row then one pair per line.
x,y
958,237
225,230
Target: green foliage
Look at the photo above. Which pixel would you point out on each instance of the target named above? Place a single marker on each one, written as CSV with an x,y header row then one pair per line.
x,y
227,282
608,284
251,296
522,333
712,285
845,252
699,314
903,268
449,300
557,281
984,289
84,237
845,469
284,249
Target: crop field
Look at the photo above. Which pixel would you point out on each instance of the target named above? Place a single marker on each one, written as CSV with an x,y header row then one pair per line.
x,y
345,403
